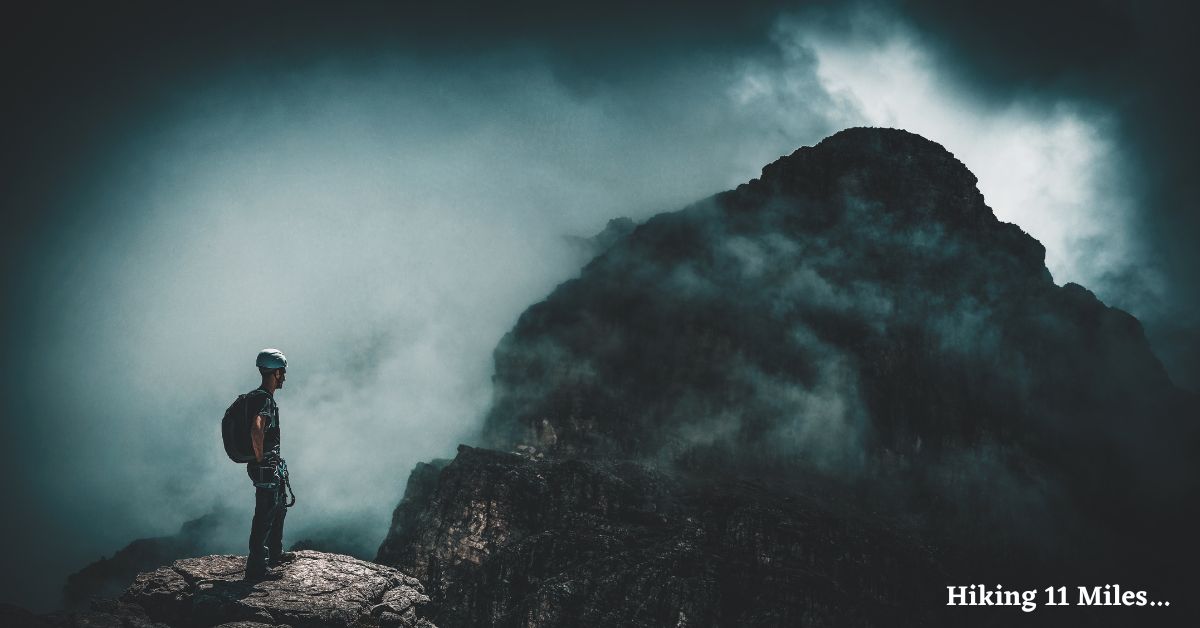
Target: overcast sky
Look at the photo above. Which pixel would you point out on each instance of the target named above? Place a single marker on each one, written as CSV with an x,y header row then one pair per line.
x,y
380,194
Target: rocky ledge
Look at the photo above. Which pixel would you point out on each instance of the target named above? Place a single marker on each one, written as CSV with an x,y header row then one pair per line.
x,y
315,590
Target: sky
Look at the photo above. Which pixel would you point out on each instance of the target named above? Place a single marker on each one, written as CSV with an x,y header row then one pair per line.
x,y
381,191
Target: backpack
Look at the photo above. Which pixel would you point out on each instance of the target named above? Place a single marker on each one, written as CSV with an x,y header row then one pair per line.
x,y
235,429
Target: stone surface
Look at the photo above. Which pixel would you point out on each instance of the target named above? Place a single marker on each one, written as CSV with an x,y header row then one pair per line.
x,y
510,540
315,590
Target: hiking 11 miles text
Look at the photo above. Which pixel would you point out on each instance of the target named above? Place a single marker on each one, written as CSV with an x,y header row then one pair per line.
x,y
1107,595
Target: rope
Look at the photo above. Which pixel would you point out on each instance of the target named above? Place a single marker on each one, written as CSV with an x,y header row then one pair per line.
x,y
286,478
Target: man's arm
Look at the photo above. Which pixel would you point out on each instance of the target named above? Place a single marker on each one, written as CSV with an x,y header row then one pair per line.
x,y
256,435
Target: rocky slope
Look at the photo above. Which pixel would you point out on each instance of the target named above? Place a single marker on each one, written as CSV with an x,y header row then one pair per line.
x,y
508,540
316,590
817,398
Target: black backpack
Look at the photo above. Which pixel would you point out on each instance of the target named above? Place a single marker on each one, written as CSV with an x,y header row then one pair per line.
x,y
235,429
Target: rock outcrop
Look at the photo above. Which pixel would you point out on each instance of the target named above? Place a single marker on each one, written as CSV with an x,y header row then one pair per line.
x,y
514,540
810,400
316,590
109,577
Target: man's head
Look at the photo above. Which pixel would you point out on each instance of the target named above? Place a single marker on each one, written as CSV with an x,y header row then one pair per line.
x,y
272,364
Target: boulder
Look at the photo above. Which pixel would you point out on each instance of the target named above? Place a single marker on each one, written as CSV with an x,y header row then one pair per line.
x,y
315,590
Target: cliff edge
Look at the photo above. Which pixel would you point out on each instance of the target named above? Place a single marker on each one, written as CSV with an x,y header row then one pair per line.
x,y
316,590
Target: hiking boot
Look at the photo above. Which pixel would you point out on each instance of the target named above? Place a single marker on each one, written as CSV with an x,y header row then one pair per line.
x,y
258,575
284,557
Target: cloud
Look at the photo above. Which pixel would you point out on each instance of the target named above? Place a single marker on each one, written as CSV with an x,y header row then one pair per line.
x,y
1073,122
382,220
1051,167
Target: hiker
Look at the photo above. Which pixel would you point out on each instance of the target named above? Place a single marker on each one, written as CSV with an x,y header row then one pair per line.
x,y
267,470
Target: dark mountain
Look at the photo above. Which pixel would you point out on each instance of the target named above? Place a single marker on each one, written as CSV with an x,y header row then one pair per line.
x,y
819,398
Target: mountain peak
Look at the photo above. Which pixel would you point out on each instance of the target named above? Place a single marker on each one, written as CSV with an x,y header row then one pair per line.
x,y
881,147
915,180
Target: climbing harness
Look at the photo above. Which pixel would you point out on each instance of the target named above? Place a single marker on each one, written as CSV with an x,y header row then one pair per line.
x,y
280,475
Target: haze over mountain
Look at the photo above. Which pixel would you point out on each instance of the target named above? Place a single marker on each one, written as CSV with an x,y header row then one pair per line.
x,y
820,397
859,342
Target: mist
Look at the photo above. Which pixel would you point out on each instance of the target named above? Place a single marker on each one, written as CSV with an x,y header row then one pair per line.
x,y
383,219
1049,165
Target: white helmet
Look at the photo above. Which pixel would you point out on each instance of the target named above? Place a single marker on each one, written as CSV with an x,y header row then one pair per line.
x,y
271,359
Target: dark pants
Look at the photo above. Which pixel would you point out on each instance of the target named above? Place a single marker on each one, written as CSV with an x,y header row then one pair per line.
x,y
266,531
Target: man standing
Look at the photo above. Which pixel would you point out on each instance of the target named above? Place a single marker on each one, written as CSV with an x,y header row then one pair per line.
x,y
267,470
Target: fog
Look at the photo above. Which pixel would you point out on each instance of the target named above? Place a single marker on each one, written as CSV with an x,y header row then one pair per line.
x,y
383,219
1050,166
